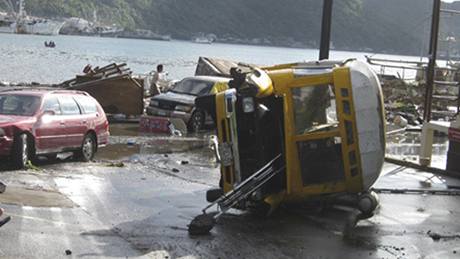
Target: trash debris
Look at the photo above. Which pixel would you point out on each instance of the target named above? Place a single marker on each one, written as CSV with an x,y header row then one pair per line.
x,y
4,221
118,164
436,236
174,131
113,87
214,67
400,121
201,225
2,188
30,166
425,184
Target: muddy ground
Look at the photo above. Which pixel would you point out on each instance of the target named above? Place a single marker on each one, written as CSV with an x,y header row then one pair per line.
x,y
140,194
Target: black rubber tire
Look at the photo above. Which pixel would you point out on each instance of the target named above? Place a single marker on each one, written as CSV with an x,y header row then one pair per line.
x,y
196,122
21,151
88,148
368,203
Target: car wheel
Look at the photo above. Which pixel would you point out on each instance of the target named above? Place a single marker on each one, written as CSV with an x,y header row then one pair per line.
x,y
21,151
196,122
88,148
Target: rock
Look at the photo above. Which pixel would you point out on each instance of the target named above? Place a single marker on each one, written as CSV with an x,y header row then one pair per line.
x,y
201,225
2,187
68,252
175,170
185,162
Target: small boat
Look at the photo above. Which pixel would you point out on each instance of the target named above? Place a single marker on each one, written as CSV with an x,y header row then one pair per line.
x,y
203,40
50,44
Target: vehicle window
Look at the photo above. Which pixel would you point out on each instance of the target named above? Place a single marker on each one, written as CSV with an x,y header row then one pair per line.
x,y
68,105
52,104
314,106
193,87
87,104
20,105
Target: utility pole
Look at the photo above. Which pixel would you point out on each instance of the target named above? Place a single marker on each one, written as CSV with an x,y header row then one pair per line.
x,y
326,30
432,60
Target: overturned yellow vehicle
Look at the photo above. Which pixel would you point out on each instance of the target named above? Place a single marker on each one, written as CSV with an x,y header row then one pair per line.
x,y
290,133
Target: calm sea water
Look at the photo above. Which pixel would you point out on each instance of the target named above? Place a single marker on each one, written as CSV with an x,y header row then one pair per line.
x,y
23,58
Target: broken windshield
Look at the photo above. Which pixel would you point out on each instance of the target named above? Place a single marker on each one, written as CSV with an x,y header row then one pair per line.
x,y
20,105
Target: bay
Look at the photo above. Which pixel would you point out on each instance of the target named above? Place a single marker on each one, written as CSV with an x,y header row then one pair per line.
x,y
23,58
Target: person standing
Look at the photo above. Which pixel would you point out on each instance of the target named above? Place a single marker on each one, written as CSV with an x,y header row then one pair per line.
x,y
159,82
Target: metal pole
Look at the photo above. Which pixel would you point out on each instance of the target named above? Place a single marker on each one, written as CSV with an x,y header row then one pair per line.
x,y
432,62
326,30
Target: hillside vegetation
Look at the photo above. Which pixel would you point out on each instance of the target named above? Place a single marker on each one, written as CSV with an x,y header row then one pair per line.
x,y
398,26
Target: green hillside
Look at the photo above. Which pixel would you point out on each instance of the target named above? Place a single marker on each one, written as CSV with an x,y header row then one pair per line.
x,y
395,26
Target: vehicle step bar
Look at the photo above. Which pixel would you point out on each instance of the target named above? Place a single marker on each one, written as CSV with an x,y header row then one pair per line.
x,y
243,190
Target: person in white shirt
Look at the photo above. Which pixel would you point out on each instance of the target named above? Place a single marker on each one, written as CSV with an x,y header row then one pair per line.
x,y
159,82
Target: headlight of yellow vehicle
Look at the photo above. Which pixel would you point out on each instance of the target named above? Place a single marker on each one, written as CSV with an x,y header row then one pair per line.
x,y
184,108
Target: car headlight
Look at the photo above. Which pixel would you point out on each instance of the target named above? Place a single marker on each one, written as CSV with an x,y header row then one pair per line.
x,y
248,104
2,132
154,103
184,108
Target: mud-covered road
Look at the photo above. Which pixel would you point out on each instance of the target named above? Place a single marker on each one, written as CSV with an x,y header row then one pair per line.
x,y
140,194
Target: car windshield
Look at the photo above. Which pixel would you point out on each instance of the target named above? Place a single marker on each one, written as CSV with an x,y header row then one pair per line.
x,y
193,87
20,105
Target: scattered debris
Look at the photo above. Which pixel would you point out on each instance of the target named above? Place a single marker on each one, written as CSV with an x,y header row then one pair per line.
x,y
425,184
4,221
201,225
436,236
2,187
30,166
116,164
214,67
113,87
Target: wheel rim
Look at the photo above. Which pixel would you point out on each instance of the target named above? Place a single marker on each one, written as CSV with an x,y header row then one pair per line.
x,y
87,149
24,150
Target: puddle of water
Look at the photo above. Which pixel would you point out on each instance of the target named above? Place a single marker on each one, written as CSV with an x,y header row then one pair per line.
x,y
126,141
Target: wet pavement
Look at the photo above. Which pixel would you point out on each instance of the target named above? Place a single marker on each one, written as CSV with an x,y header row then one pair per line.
x,y
138,197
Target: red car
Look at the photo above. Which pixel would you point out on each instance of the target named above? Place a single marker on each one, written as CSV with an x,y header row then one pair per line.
x,y
46,122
